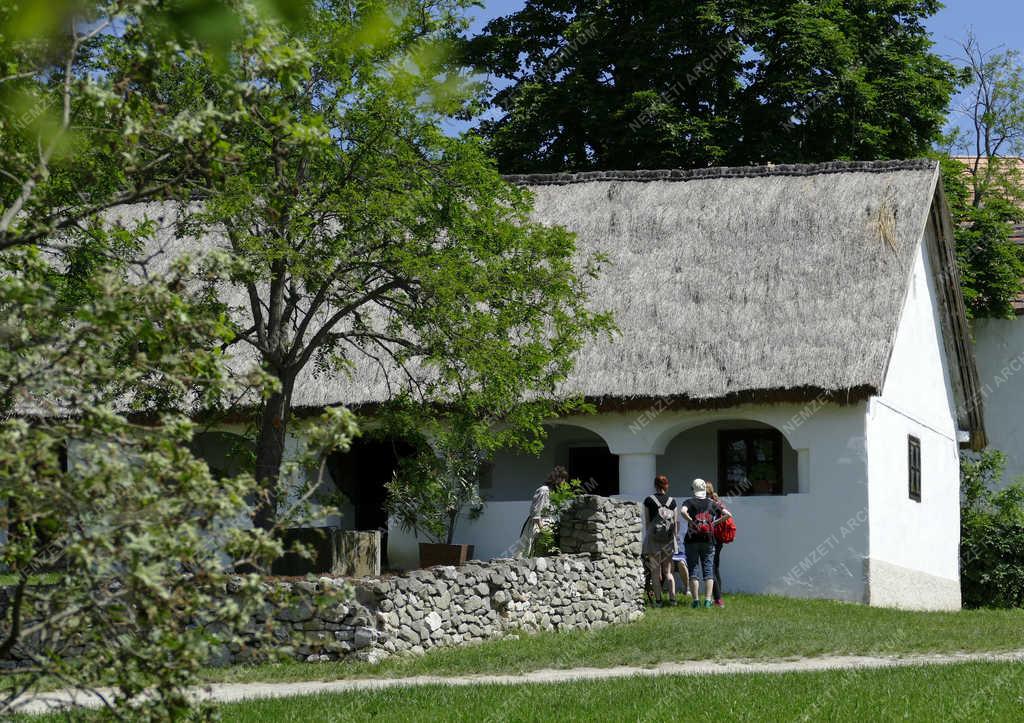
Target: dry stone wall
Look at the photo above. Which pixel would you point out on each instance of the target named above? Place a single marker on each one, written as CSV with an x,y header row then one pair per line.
x,y
597,580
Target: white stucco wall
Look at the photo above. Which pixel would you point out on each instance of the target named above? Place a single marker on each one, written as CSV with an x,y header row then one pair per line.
x,y
493,535
915,545
514,479
999,349
516,475
809,544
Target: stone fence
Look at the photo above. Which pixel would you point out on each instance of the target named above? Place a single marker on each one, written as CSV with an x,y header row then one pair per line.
x,y
595,581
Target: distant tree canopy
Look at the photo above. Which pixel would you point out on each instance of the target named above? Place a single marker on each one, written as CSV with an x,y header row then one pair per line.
x,y
986,191
663,84
991,266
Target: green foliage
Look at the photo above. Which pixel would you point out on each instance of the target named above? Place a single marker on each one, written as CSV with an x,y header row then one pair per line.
x,y
563,493
986,193
359,234
545,544
436,487
992,534
991,267
615,85
103,356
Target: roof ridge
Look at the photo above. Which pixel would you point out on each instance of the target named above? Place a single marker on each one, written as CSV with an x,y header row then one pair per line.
x,y
700,174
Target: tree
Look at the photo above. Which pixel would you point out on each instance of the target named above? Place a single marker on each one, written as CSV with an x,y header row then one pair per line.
x,y
359,233
435,488
986,186
102,357
617,85
991,534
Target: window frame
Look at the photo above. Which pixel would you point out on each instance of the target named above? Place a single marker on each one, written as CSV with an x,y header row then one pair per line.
x,y
748,434
914,467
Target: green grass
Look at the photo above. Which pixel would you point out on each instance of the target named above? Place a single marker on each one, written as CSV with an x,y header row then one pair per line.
x,y
981,691
748,627
9,579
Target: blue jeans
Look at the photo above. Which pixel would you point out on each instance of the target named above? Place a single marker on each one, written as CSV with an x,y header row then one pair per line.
x,y
701,556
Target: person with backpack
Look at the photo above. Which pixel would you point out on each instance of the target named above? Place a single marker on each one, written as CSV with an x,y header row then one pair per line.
x,y
701,514
661,515
725,532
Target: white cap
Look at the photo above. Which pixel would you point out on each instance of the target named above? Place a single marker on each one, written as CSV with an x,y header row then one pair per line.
x,y
700,489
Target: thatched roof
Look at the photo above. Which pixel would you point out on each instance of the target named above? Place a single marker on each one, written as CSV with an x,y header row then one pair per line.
x,y
736,284
732,284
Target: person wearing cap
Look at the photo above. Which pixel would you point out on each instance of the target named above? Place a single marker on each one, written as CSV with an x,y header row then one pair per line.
x,y
700,514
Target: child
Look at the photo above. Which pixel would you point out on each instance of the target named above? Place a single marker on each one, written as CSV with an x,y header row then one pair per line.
x,y
682,571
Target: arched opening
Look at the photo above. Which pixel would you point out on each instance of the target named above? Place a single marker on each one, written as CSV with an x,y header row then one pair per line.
x,y
516,475
743,458
359,478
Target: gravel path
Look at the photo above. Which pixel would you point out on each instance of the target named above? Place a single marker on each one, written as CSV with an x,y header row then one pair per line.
x,y
233,692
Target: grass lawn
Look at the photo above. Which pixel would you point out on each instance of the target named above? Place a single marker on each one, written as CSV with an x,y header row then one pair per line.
x,y
981,691
9,579
748,627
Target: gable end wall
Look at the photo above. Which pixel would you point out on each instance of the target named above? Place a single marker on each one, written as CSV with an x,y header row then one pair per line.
x,y
914,546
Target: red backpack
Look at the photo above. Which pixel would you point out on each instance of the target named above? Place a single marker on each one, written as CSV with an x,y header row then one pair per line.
x,y
725,530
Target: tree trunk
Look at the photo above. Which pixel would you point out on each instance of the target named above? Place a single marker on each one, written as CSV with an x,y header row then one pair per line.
x,y
273,428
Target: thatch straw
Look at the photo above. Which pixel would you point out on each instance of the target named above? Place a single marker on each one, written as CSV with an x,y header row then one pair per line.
x,y
745,281
723,282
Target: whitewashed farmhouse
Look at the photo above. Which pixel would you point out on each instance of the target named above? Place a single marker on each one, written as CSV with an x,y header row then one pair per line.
x,y
795,334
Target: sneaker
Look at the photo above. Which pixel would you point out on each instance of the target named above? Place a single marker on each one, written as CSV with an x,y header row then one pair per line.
x,y
672,602
719,603
695,604
707,603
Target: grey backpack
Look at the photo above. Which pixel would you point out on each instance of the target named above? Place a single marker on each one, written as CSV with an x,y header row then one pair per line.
x,y
663,529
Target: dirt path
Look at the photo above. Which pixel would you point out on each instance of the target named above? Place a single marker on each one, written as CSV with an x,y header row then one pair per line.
x,y
233,692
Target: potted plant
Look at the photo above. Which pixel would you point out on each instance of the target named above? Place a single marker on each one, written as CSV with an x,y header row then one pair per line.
x,y
431,491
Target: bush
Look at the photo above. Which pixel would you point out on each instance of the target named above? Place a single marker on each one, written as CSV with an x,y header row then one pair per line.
x,y
991,535
435,488
562,493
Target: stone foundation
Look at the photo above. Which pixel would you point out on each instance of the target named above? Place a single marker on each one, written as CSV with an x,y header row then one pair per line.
x,y
893,586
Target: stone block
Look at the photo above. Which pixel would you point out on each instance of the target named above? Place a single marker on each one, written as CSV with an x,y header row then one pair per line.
x,y
336,552
364,637
433,621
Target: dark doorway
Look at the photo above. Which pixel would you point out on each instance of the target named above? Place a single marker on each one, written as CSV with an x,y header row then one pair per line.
x,y
361,475
597,468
